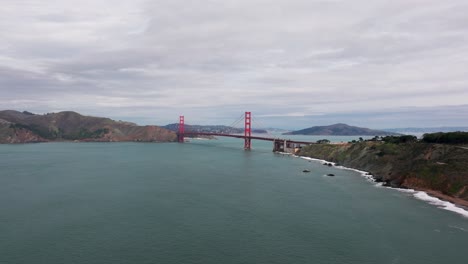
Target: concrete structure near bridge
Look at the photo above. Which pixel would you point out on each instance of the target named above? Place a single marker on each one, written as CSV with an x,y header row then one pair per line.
x,y
288,146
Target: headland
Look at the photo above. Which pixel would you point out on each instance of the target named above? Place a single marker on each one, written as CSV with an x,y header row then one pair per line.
x,y
438,169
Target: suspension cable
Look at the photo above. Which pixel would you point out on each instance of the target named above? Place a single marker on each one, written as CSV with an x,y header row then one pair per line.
x,y
261,124
234,124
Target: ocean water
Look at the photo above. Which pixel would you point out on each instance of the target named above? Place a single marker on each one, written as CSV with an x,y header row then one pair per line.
x,y
208,201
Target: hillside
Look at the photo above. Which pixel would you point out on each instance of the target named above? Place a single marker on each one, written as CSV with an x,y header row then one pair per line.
x,y
339,130
25,127
440,169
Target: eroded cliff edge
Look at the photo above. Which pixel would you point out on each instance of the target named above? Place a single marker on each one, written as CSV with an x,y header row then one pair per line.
x,y
439,169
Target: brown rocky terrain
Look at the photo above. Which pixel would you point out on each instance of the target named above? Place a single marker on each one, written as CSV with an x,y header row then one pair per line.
x,y
25,127
440,169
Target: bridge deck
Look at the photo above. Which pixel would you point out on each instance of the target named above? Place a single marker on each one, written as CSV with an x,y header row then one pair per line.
x,y
251,137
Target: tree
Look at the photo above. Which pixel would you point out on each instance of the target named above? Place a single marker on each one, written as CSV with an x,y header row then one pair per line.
x,y
446,138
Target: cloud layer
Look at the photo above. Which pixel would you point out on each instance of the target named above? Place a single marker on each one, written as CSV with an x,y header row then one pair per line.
x,y
290,62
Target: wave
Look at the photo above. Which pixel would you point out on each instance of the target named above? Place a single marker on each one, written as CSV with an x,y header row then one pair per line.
x,y
417,194
440,204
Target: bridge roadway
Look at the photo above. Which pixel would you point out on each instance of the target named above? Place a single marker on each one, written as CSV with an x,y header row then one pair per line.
x,y
251,137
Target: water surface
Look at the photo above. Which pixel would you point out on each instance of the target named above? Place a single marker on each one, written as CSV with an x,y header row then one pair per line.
x,y
207,202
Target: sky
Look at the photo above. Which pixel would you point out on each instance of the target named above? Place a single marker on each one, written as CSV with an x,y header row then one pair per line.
x,y
292,63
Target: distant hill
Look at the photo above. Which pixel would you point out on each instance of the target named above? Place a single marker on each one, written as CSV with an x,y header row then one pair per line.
x,y
277,130
24,127
212,129
340,130
422,130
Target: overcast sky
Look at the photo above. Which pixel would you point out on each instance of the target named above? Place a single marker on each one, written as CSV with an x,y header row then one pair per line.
x,y
293,63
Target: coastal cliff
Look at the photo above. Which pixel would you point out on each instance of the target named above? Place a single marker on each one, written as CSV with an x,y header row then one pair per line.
x,y
439,169
25,127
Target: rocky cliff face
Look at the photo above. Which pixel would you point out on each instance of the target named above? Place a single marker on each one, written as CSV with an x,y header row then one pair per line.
x,y
17,127
441,168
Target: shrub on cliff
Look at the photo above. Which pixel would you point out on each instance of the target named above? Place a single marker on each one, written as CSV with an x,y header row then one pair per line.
x,y
86,134
399,139
447,138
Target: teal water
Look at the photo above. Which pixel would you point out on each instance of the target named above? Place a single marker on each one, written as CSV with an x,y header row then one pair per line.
x,y
207,202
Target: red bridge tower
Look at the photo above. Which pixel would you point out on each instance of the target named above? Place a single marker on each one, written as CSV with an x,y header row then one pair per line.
x,y
248,130
181,129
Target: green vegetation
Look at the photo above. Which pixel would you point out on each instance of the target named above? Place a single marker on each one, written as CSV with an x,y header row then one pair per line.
x,y
389,139
40,131
455,187
323,141
85,133
59,134
446,138
399,139
387,149
439,138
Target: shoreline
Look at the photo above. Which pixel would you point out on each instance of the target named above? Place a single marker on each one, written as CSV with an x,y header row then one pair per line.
x,y
457,201
436,198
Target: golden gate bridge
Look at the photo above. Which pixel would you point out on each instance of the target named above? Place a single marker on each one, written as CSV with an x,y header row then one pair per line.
x,y
279,145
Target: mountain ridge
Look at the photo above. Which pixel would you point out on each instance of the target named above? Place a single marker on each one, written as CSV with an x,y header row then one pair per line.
x,y
26,127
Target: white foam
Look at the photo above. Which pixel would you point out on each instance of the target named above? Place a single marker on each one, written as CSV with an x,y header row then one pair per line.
x,y
440,204
404,190
379,184
417,194
307,158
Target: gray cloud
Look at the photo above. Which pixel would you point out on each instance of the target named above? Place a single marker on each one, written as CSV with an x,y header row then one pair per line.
x,y
289,61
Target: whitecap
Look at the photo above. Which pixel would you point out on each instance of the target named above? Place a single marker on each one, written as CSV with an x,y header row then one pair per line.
x,y
459,228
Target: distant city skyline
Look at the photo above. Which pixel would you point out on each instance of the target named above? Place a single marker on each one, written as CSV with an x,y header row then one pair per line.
x,y
294,64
